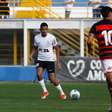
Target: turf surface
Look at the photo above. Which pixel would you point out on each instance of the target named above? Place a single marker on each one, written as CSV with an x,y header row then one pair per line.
x,y
25,97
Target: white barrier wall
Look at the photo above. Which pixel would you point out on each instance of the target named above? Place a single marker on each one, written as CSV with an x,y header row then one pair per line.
x,y
76,12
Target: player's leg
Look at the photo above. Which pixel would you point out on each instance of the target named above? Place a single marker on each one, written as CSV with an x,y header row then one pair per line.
x,y
41,80
107,69
67,14
54,81
109,83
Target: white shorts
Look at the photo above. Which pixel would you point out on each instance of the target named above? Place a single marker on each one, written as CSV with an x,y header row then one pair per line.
x,y
107,65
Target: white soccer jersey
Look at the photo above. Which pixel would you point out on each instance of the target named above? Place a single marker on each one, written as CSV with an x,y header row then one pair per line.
x,y
45,47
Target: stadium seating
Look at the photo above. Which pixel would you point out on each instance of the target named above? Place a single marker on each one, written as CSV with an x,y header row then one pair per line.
x,y
37,9
4,9
29,3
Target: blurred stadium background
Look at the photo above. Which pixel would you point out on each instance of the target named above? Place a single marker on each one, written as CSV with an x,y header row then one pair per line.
x,y
79,69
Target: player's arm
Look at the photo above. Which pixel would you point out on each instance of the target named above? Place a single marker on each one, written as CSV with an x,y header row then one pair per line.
x,y
57,49
33,52
91,35
89,42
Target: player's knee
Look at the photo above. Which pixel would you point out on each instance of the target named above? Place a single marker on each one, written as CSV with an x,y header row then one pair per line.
x,y
39,77
110,89
110,82
55,82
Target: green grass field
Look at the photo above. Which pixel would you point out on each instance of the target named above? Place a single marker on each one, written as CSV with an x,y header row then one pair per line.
x,y
25,97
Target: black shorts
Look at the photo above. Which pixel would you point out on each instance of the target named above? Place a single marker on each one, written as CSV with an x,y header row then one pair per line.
x,y
49,65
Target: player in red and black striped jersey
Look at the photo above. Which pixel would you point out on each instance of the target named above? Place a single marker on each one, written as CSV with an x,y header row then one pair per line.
x,y
102,31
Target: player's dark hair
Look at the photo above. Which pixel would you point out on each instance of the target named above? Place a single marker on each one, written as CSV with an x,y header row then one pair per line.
x,y
105,10
43,24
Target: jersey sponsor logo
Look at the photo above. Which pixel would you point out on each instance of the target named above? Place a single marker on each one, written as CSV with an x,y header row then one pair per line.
x,y
43,50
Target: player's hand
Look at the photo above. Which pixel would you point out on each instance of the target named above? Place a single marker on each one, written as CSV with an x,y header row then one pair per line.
x,y
58,64
31,59
89,50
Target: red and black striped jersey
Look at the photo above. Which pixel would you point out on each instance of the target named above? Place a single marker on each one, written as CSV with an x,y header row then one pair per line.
x,y
103,32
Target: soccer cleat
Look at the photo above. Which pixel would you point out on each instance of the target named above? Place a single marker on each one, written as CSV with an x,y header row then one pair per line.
x,y
63,97
44,95
110,109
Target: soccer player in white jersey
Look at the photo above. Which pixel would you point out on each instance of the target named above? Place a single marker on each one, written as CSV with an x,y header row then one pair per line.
x,y
44,43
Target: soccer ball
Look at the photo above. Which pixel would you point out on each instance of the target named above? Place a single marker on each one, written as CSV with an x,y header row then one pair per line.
x,y
74,94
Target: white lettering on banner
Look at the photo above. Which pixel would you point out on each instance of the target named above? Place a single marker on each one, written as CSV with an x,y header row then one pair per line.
x,y
95,64
79,67
95,73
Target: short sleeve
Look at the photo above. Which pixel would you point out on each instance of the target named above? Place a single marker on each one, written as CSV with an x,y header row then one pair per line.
x,y
54,43
35,43
93,29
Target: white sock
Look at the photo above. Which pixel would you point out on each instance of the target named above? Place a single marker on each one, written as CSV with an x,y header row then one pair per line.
x,y
60,89
41,82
